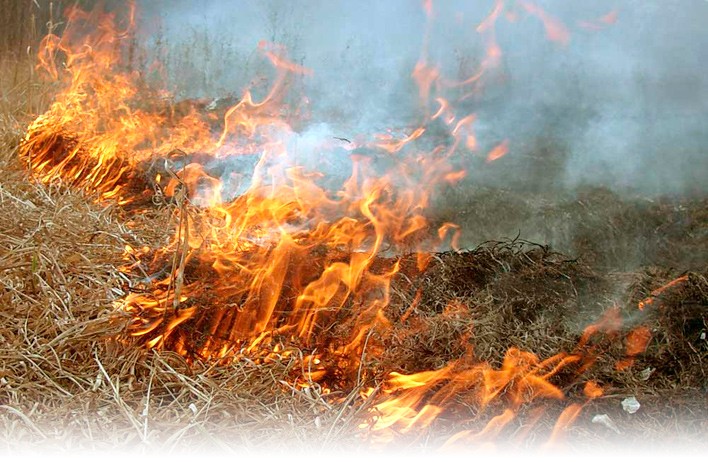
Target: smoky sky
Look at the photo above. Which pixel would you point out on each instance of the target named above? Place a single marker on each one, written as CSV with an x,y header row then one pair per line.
x,y
626,104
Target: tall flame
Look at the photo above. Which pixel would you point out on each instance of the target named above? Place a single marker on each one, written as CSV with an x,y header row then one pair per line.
x,y
288,259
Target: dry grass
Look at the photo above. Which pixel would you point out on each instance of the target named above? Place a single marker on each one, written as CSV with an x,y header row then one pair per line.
x,y
65,382
22,93
69,379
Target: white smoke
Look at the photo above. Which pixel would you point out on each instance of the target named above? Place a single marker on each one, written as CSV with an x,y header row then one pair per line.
x,y
628,102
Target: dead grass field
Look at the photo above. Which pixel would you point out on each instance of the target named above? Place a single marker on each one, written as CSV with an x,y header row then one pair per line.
x,y
70,379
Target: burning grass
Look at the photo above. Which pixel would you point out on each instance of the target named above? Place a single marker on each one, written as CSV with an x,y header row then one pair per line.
x,y
298,314
69,379
66,381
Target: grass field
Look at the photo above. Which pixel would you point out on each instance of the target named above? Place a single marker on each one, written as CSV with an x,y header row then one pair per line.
x,y
539,268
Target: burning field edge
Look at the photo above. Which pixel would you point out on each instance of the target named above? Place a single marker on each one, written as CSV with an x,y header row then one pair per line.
x,y
70,377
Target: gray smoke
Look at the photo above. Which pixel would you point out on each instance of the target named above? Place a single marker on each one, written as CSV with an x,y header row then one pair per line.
x,y
625,106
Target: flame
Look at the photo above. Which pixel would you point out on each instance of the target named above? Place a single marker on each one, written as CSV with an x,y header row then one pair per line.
x,y
567,417
522,378
498,151
288,257
495,425
288,261
488,30
555,30
649,301
636,343
600,23
592,390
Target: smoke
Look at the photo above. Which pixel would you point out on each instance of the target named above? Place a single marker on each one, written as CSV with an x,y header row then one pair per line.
x,y
314,149
621,103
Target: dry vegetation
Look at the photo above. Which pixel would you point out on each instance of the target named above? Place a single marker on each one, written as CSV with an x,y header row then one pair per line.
x,y
65,382
68,378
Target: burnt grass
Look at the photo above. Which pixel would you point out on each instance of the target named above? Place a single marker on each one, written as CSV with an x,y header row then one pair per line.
x,y
602,250
517,294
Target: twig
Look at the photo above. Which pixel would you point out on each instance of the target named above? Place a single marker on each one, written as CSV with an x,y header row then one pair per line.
x,y
184,234
116,395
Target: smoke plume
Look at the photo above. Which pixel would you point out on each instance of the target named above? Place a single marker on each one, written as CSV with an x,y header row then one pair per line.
x,y
618,94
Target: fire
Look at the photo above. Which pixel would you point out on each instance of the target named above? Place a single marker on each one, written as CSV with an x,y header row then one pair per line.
x,y
288,263
600,23
288,256
522,379
636,343
555,30
657,292
498,151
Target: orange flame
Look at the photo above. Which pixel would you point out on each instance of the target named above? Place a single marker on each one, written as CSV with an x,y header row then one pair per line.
x,y
555,30
636,343
498,151
288,259
657,292
600,23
